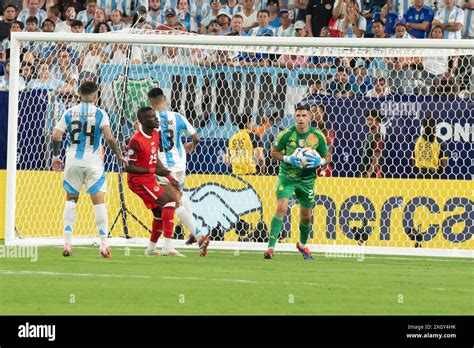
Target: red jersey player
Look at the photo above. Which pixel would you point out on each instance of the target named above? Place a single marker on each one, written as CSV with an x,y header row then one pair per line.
x,y
142,150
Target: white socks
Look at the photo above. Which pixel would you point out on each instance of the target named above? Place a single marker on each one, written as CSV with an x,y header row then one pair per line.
x,y
186,217
69,219
101,220
168,243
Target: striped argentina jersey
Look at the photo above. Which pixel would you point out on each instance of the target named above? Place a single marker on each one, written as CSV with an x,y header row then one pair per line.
x,y
172,127
84,123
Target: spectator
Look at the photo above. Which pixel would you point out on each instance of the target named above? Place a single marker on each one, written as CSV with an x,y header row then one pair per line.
x,y
213,28
224,19
468,28
286,29
325,32
300,29
290,61
378,29
77,27
54,14
15,26
401,30
5,79
120,54
184,16
437,76
90,61
352,24
273,12
99,17
360,78
263,19
32,9
236,25
403,79
371,165
319,121
171,19
70,16
340,86
298,8
102,28
245,149
451,19
380,89
368,10
139,19
116,21
418,19
26,72
317,88
48,26
249,15
44,80
87,15
430,156
155,15
31,24
233,7
318,15
215,8
388,17
64,70
10,13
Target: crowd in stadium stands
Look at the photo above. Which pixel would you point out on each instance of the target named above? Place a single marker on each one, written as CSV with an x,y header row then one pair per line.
x,y
352,77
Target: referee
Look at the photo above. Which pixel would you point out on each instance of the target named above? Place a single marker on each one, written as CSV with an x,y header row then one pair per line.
x,y
429,156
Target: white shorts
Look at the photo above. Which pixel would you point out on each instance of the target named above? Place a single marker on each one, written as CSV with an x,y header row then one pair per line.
x,y
92,178
179,176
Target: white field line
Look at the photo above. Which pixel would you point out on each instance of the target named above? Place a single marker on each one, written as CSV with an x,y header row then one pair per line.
x,y
320,254
46,273
223,280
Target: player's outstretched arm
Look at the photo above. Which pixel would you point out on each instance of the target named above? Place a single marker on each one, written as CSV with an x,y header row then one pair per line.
x,y
57,164
109,137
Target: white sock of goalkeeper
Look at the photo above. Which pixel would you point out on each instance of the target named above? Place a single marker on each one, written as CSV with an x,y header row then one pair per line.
x,y
187,219
101,220
69,219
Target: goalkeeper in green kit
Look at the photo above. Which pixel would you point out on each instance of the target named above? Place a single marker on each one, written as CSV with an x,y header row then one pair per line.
x,y
297,175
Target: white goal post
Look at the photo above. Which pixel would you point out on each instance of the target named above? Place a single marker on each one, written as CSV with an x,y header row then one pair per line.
x,y
396,212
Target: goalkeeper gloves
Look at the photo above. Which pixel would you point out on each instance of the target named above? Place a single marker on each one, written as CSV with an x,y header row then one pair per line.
x,y
315,161
293,160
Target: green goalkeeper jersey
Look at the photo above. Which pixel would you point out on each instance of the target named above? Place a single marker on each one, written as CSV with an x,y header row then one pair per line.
x,y
289,140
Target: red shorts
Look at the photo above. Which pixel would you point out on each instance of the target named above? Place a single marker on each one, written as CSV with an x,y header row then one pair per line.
x,y
147,188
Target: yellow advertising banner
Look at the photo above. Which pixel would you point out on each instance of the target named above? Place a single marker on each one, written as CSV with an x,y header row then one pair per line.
x,y
390,211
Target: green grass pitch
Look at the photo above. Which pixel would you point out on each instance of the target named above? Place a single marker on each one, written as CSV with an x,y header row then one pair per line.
x,y
226,283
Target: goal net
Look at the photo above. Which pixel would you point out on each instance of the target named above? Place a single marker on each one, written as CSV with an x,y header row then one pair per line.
x,y
397,115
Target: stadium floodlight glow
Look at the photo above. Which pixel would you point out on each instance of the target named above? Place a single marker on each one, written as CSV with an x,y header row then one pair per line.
x,y
395,213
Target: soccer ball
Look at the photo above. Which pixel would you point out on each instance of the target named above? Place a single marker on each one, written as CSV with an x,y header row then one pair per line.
x,y
303,154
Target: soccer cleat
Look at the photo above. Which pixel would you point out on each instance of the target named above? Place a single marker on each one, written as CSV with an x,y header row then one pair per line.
x,y
105,251
269,254
203,244
67,250
191,240
304,251
171,252
152,252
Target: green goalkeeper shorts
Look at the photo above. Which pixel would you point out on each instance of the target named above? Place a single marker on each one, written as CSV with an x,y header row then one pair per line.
x,y
304,191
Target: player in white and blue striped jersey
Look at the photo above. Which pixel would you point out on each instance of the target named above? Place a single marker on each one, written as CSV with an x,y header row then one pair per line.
x,y
173,155
85,125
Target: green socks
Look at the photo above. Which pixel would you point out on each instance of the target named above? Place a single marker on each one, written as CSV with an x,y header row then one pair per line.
x,y
275,229
304,232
